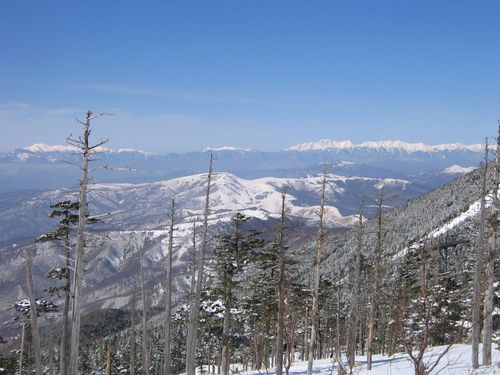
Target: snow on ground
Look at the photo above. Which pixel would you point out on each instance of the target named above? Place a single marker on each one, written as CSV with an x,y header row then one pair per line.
x,y
455,362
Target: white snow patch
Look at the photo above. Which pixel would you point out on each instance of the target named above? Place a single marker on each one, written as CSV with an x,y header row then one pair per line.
x,y
227,148
457,169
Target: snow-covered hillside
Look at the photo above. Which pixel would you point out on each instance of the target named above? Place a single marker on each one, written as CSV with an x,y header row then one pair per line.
x,y
455,362
145,205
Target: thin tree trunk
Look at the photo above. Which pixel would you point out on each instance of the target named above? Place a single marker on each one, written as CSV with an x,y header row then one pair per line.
x,y
108,358
63,352
225,329
354,310
168,297
376,284
476,295
23,344
281,289
50,349
305,353
338,353
132,344
145,351
194,313
317,277
490,265
35,333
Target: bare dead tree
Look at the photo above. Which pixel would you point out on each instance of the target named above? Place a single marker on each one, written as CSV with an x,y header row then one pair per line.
x,y
338,352
83,143
35,333
490,261
376,283
317,275
145,350
478,272
194,313
355,296
168,297
132,339
108,358
23,344
280,245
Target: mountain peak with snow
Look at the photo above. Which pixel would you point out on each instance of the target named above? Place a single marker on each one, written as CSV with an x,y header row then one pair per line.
x,y
388,146
458,169
39,148
42,147
227,148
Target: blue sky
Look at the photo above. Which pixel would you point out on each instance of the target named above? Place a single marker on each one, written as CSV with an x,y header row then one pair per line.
x,y
181,76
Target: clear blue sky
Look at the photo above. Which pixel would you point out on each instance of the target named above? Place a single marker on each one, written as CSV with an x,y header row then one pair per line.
x,y
263,74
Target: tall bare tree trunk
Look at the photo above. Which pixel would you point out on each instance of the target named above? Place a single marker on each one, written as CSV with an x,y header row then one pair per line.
x,y
376,283
338,352
35,333
490,263
23,344
281,288
354,310
145,350
194,313
305,354
476,294
50,349
133,345
168,297
108,358
317,277
83,144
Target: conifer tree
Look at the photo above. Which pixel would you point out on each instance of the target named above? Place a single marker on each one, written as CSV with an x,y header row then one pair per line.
x,y
233,254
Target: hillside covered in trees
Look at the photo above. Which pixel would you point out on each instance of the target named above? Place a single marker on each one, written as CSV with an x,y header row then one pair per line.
x,y
259,294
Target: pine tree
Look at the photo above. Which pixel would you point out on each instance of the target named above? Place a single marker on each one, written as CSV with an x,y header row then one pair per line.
x,y
65,210
233,254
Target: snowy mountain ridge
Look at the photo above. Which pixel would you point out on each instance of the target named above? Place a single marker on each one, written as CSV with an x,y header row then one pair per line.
x,y
45,148
322,144
388,146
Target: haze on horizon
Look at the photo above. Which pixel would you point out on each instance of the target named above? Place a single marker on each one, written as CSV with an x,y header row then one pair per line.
x,y
262,75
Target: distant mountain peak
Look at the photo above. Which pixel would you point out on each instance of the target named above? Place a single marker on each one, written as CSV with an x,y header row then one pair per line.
x,y
458,169
42,147
227,148
38,148
389,146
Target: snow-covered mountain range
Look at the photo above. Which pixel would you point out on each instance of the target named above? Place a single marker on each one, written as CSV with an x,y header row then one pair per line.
x,y
384,146
42,166
144,206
